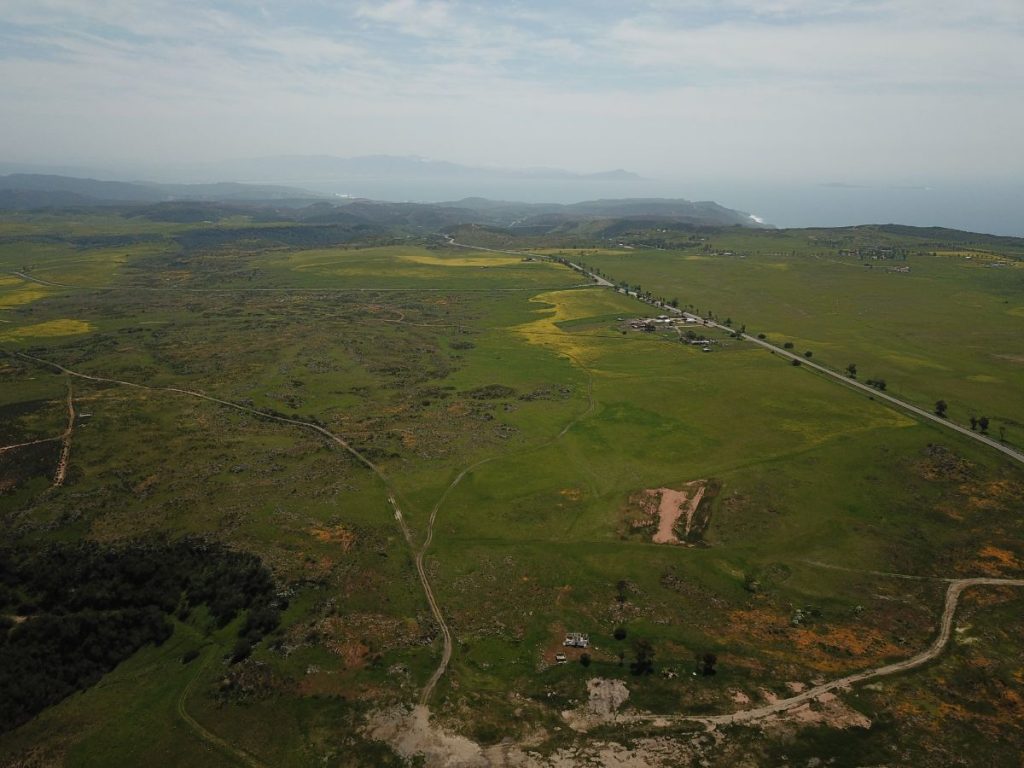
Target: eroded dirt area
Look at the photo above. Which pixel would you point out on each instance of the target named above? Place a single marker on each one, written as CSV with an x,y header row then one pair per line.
x,y
412,735
670,515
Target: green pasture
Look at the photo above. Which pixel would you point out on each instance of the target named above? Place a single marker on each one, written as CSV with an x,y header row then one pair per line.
x,y
436,363
414,267
950,329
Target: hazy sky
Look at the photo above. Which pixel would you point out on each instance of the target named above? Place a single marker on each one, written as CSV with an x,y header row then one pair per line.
x,y
903,91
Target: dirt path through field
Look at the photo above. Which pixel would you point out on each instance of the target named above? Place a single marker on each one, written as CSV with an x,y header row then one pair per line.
x,y
446,653
65,450
210,738
956,587
6,448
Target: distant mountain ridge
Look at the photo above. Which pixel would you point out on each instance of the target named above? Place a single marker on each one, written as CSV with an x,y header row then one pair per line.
x,y
37,190
30,191
310,169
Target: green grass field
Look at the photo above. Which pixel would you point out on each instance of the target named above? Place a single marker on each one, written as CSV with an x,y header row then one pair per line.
x,y
951,328
433,361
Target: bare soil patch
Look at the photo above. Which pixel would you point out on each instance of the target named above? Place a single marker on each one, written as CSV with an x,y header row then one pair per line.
x,y
605,699
670,515
334,534
827,709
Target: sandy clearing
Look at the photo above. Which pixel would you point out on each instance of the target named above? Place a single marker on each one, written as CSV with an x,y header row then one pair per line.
x,y
672,505
829,710
605,699
670,509
410,733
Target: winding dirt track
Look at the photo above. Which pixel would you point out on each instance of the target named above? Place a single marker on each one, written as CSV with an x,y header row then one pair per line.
x,y
6,448
227,403
210,738
446,653
418,553
446,635
956,586
65,449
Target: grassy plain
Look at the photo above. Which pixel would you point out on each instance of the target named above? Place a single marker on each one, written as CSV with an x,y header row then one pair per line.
x,y
433,361
950,328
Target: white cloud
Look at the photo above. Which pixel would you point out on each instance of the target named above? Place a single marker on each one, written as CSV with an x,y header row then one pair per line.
x,y
413,17
833,89
845,54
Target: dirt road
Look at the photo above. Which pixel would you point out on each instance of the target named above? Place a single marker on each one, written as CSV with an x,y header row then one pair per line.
x,y
65,449
956,586
6,448
446,653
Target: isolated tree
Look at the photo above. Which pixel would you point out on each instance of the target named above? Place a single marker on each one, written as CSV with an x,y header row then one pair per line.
x,y
940,409
585,659
761,336
788,345
1002,433
620,633
707,664
728,322
795,363
808,354
644,663
241,650
974,422
982,422
851,370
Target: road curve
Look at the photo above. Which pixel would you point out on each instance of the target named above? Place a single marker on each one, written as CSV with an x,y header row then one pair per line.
x,y
956,586
435,608
418,554
446,653
243,408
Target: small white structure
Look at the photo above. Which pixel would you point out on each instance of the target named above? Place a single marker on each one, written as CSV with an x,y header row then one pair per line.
x,y
576,640
560,658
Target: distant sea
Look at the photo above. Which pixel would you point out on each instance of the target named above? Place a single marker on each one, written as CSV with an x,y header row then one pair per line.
x,y
992,209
